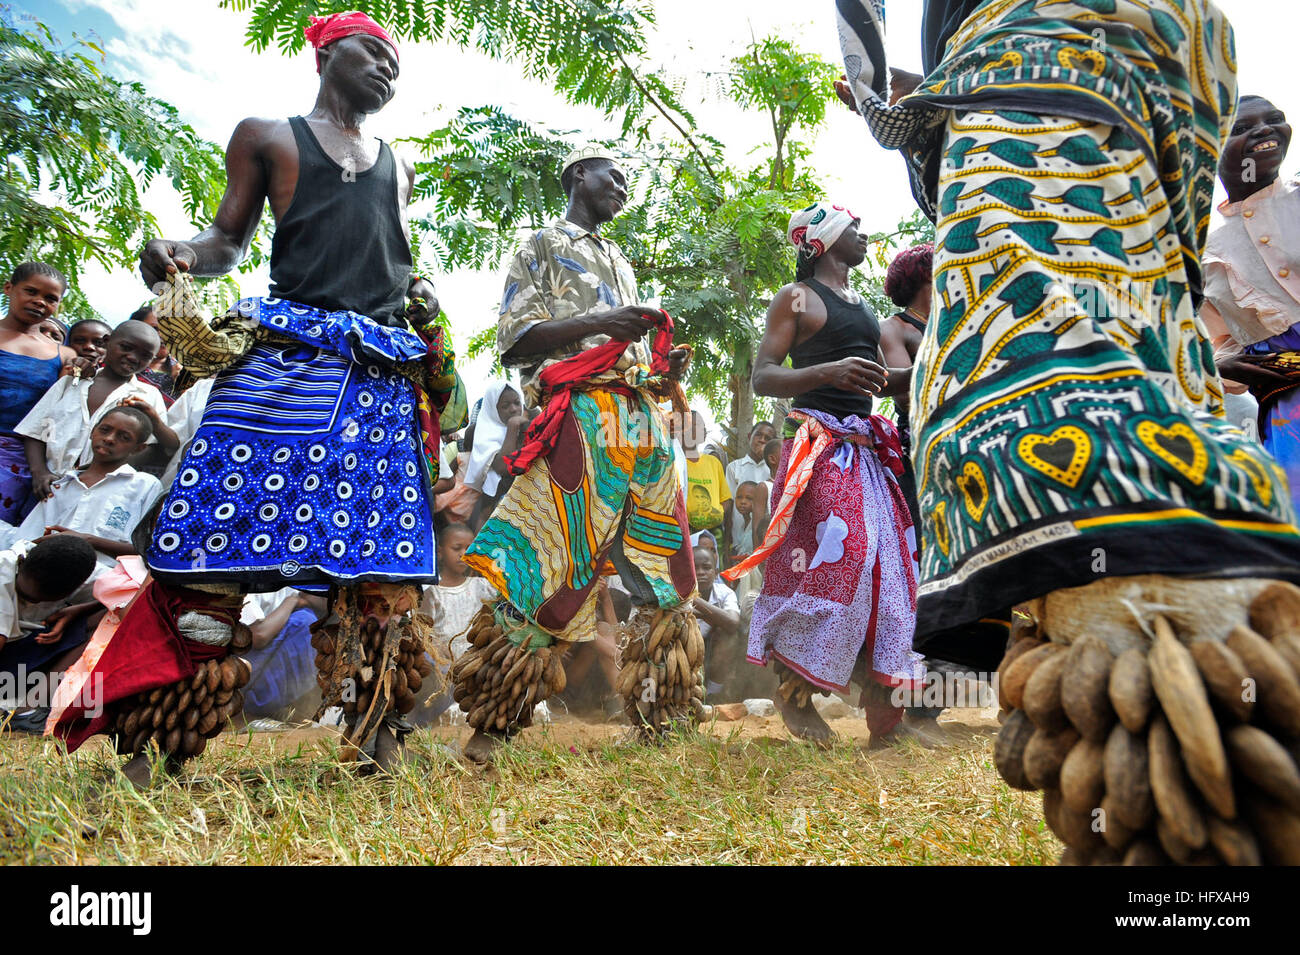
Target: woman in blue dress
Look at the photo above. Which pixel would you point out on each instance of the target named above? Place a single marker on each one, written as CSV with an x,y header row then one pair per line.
x,y
30,362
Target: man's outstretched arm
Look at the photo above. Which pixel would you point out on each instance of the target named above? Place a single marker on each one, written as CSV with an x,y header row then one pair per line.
x,y
218,249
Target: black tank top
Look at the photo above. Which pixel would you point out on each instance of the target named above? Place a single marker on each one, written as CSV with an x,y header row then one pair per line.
x,y
851,331
340,245
912,320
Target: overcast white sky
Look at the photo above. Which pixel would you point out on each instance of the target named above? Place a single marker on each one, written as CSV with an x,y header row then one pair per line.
x,y
192,55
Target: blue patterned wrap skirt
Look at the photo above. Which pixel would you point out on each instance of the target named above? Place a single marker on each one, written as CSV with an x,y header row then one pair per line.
x,y
306,468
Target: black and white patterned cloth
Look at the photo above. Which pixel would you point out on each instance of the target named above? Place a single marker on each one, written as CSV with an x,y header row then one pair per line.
x,y
862,41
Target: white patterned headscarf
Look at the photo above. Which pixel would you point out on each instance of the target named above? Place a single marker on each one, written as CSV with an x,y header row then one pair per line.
x,y
489,439
819,226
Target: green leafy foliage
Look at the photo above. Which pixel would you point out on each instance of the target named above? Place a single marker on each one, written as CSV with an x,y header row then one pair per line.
x,y
487,175
565,42
80,147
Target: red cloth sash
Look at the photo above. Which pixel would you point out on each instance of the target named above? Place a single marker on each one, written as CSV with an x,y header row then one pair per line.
x,y
147,651
560,380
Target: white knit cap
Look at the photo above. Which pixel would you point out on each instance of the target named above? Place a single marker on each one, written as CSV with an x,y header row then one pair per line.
x,y
590,151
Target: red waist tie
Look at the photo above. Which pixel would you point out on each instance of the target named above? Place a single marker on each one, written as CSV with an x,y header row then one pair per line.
x,y
561,379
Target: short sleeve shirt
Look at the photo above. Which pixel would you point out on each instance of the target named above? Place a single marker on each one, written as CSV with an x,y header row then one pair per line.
x,y
62,418
1252,263
706,492
564,271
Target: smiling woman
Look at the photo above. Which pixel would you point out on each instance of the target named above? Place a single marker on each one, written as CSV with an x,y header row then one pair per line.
x,y
29,364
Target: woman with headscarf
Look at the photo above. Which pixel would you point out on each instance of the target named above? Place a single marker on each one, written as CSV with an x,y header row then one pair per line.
x,y
496,432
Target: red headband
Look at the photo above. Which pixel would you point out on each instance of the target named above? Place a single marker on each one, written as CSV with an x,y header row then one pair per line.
x,y
322,31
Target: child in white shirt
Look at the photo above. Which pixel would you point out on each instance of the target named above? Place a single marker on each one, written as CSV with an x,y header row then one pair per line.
x,y
103,502
35,579
458,595
56,432
718,613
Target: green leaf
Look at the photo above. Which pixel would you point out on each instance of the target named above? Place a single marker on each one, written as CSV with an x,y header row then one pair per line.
x,y
1168,29
1110,241
1026,345
948,203
948,318
1012,191
1016,116
962,360
1026,293
80,148
1087,198
1038,234
1018,152
962,237
1082,150
957,151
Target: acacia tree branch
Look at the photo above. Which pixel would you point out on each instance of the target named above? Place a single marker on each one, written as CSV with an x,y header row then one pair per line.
x,y
662,110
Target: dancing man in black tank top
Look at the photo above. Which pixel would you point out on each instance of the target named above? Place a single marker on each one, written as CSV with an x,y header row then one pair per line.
x,y
839,586
314,462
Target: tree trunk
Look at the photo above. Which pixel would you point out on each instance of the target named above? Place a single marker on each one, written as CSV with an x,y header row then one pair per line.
x,y
742,406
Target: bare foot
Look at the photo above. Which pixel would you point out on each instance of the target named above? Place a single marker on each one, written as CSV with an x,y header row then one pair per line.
x,y
482,746
389,750
804,722
138,771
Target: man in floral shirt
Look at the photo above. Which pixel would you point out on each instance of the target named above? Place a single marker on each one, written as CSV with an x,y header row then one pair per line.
x,y
601,488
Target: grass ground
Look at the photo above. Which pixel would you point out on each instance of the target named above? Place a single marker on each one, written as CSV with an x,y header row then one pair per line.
x,y
568,793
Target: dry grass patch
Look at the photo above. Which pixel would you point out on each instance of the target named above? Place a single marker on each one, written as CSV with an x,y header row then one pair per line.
x,y
566,794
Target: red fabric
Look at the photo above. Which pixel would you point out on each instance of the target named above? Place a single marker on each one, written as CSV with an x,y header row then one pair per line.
x,y
147,651
322,31
559,380
807,446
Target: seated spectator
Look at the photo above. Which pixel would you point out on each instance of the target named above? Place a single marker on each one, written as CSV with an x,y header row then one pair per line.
x,y
707,541
498,431
103,502
718,613
89,339
283,684
39,631
57,430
